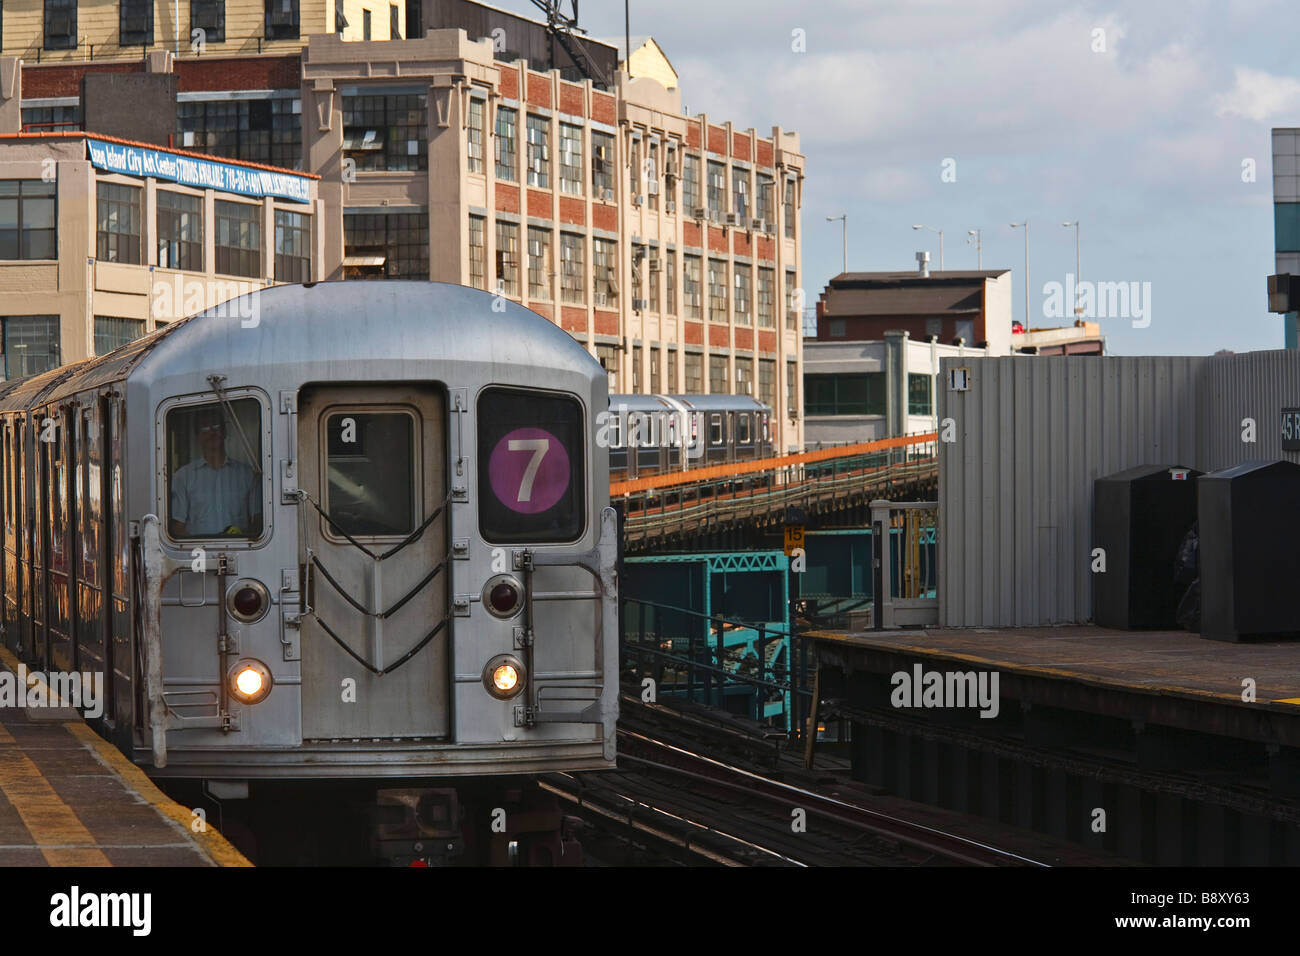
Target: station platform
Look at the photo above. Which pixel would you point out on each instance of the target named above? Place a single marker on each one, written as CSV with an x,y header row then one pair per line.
x,y
69,798
1172,678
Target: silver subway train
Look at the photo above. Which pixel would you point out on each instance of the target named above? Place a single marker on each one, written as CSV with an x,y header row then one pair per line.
x,y
346,530
658,434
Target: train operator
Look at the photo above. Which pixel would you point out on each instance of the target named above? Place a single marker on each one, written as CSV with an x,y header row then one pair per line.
x,y
214,495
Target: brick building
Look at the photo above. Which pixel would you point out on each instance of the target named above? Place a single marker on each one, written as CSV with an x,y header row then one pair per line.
x,y
668,244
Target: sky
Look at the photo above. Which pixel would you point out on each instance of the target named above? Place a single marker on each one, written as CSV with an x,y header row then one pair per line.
x,y
1146,122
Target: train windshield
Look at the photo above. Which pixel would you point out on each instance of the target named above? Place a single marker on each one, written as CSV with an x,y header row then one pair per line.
x,y
371,478
214,470
531,466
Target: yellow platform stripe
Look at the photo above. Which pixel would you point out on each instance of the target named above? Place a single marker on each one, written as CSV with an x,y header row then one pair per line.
x,y
217,847
60,836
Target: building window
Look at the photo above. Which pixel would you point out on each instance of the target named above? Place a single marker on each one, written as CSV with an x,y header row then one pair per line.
x,y
636,370
119,223
766,298
740,193
789,208
135,22
282,19
718,291
27,219
571,159
652,281
180,231
672,371
365,24
791,306
690,183
50,119
508,259
391,245
744,376
474,136
258,131
694,373
691,292
634,170
602,166
210,17
767,382
292,246
539,263
604,276
742,294
31,344
717,189
112,332
394,22
655,380
60,24
386,131
670,282
477,253
639,266
539,151
652,175
238,238
506,144
1286,227
861,393
763,200
792,389
608,357
573,269
718,375
919,400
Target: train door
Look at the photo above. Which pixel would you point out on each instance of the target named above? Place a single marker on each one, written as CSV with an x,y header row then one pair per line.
x,y
375,658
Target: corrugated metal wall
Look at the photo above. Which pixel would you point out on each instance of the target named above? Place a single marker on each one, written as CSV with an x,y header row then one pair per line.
x,y
1255,385
1015,487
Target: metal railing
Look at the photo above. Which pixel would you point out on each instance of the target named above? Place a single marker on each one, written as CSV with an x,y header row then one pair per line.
x,y
712,659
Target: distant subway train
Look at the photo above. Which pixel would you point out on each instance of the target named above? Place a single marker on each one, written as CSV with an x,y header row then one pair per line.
x,y
678,432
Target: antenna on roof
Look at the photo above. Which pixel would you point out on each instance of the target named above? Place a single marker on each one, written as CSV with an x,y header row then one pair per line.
x,y
565,31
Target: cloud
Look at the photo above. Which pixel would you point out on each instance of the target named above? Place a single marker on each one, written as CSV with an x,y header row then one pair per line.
x,y
1259,96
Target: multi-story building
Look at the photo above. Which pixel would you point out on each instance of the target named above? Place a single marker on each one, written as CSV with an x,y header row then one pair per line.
x,y
866,390
1286,231
103,240
668,244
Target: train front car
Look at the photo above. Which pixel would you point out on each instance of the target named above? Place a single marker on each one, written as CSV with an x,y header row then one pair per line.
x,y
383,546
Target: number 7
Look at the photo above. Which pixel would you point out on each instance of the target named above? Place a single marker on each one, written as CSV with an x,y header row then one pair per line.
x,y
539,447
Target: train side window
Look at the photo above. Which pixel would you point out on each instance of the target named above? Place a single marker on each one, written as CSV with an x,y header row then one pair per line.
x,y
715,429
742,429
370,463
531,466
214,470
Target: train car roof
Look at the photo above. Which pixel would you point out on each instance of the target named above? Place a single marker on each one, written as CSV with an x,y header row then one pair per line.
x,y
731,403
338,323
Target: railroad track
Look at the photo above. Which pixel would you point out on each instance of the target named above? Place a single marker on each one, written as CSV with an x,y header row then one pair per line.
x,y
698,809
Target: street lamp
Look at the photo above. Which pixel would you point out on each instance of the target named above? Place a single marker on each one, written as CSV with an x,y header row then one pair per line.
x,y
940,232
845,219
1078,269
1025,225
973,235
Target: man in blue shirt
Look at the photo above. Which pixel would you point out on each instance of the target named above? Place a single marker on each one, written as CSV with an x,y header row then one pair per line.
x,y
214,495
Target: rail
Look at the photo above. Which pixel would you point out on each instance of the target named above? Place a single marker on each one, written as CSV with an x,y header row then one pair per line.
x,y
740,469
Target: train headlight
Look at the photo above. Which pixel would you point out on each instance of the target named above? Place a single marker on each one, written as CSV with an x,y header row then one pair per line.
x,y
248,601
250,681
504,676
503,595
